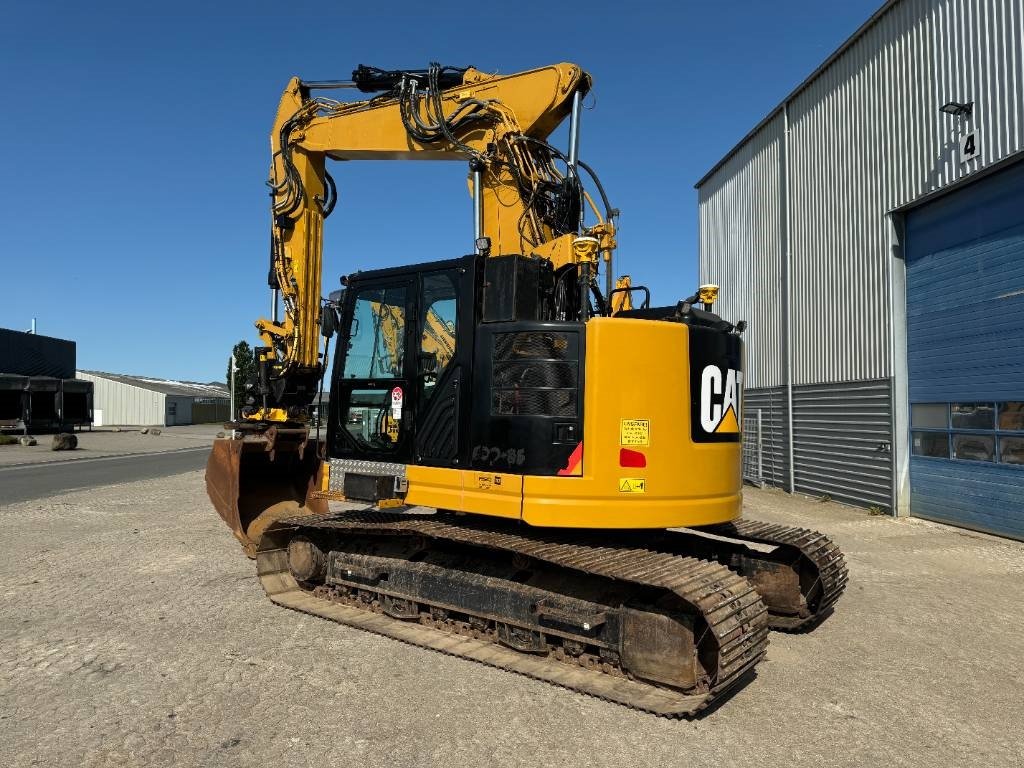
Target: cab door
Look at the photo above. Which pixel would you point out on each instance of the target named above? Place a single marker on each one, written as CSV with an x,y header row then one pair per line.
x,y
444,341
372,398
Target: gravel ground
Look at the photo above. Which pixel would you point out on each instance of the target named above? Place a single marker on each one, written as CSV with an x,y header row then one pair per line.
x,y
106,442
133,632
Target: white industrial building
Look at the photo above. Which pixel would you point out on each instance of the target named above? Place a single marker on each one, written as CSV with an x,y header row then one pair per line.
x,y
120,400
871,231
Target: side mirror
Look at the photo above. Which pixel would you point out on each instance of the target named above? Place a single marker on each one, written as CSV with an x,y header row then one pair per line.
x,y
328,321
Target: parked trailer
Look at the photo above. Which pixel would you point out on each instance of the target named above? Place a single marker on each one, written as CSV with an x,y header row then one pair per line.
x,y
13,402
76,398
43,404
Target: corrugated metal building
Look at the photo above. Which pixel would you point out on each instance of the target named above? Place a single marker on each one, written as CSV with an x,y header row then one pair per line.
x,y
120,400
871,231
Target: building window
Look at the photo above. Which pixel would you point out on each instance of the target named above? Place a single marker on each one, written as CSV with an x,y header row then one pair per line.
x,y
934,444
972,447
1011,450
929,415
1011,416
973,415
980,432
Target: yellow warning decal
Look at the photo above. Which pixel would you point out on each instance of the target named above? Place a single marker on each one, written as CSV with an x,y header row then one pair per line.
x,y
632,485
635,432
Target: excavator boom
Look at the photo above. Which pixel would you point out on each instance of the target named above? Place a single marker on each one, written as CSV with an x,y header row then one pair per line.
x,y
499,124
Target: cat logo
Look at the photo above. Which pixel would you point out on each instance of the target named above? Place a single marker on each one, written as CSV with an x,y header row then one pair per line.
x,y
720,400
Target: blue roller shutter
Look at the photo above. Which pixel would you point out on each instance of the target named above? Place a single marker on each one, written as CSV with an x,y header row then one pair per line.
x,y
965,341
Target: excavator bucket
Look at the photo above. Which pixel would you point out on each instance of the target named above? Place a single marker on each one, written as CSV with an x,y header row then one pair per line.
x,y
259,478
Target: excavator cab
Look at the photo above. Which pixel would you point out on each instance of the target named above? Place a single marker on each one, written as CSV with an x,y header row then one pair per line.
x,y
403,359
456,364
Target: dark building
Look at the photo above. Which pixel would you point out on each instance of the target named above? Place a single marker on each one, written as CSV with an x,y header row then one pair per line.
x,y
38,390
29,354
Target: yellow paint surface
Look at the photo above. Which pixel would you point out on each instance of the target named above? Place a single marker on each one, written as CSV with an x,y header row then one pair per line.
x,y
485,493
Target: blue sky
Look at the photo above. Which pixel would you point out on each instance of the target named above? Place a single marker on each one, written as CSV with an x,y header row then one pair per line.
x,y
133,207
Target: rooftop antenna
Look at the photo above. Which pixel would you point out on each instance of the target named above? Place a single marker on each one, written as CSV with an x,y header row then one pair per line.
x,y
33,328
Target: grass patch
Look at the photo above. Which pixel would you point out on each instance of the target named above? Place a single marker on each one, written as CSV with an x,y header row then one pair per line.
x,y
8,440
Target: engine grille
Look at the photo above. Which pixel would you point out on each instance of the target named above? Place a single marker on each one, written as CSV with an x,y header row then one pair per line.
x,y
534,374
531,345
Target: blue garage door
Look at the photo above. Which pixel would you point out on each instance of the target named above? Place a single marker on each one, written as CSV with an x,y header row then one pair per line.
x,y
965,340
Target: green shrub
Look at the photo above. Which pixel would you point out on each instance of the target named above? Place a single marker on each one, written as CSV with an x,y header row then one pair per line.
x,y
8,440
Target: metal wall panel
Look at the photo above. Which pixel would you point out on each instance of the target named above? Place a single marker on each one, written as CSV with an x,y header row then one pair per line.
x,y
866,136
772,404
965,293
982,497
29,354
182,410
842,441
740,246
124,404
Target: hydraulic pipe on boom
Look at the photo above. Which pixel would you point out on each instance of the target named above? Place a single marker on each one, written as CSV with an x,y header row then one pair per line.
x,y
499,123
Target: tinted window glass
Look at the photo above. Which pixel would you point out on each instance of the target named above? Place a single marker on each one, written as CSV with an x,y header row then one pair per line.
x,y
929,415
437,341
1011,415
973,415
376,348
931,444
974,447
1011,450
370,421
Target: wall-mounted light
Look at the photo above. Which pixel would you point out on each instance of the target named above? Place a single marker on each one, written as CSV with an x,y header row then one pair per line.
x,y
957,108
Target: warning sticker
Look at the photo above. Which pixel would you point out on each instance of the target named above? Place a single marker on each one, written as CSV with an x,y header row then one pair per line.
x,y
397,398
632,485
635,432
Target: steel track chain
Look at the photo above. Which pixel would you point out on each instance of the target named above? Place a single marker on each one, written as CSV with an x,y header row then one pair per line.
x,y
731,608
819,549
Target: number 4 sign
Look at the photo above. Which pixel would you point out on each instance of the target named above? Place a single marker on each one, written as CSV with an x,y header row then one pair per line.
x,y
968,146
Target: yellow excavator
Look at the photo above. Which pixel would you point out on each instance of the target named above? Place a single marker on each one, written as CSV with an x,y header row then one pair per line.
x,y
524,464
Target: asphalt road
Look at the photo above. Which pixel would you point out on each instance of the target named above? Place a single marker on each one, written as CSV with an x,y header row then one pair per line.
x,y
34,481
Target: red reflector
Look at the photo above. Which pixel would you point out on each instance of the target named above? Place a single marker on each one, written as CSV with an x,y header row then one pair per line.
x,y
628,458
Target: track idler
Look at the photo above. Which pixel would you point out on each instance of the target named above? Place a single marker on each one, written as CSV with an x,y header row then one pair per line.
x,y
801,576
